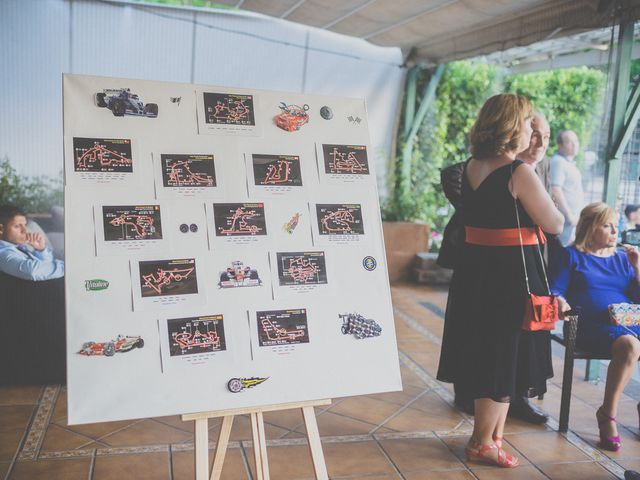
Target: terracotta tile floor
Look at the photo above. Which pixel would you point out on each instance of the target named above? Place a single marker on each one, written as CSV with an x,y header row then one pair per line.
x,y
415,434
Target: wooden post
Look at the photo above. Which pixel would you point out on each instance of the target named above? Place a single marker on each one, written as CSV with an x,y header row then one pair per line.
x,y
258,436
221,447
202,448
315,446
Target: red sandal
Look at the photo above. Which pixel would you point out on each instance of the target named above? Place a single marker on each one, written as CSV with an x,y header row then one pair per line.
x,y
607,442
478,453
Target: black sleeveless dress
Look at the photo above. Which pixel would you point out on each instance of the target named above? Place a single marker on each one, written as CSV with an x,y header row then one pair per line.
x,y
485,352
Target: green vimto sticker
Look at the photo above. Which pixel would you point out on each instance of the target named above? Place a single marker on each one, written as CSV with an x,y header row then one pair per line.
x,y
96,285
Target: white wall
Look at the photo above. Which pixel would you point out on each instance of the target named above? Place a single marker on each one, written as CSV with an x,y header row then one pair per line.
x,y
41,39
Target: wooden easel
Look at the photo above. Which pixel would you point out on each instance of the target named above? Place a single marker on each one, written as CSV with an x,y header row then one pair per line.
x,y
259,440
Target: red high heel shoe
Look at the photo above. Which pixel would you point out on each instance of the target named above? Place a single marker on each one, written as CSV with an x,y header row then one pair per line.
x,y
607,442
497,439
479,453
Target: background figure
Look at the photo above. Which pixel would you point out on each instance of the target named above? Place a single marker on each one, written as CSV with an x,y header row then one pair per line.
x,y
485,352
566,183
31,305
632,214
591,274
534,155
24,254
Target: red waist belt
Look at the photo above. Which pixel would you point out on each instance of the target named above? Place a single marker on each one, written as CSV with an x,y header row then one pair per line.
x,y
503,237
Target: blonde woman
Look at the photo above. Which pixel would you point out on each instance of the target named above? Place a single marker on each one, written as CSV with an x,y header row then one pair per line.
x,y
485,352
593,274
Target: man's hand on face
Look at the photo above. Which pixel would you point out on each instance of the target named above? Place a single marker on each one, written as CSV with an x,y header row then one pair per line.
x,y
36,240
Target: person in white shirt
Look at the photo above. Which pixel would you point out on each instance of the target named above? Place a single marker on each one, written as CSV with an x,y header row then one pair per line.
x,y
566,183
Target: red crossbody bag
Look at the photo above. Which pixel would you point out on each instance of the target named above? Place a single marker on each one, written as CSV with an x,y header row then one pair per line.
x,y
541,312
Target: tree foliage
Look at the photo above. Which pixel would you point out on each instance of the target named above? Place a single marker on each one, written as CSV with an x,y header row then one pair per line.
x,y
33,194
570,98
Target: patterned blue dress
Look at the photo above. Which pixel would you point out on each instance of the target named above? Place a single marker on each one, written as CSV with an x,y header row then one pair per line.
x,y
594,283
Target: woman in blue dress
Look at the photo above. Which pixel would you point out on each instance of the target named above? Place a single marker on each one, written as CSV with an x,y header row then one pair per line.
x,y
592,274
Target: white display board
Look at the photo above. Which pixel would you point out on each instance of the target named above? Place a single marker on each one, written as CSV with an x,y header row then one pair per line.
x,y
215,233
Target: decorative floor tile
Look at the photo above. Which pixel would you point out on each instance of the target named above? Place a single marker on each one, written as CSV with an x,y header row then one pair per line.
x,y
413,434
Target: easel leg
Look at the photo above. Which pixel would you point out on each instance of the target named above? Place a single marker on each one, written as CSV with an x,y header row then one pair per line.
x,y
315,446
221,447
202,449
259,446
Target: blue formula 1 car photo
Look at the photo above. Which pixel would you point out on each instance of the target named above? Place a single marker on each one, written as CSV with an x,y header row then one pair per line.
x,y
122,102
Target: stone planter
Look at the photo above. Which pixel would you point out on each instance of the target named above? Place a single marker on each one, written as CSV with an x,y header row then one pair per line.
x,y
403,240
427,271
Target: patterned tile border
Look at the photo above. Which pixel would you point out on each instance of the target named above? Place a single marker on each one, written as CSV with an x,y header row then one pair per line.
x,y
38,427
432,307
67,454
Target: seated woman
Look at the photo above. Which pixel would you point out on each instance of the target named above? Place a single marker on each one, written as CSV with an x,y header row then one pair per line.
x,y
592,274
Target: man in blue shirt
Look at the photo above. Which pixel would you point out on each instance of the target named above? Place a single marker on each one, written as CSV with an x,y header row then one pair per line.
x,y
24,254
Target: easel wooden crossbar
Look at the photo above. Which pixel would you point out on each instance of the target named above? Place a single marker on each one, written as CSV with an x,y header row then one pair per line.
x,y
259,440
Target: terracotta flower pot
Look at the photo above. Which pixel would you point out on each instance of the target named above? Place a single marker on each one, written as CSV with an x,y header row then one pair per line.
x,y
403,240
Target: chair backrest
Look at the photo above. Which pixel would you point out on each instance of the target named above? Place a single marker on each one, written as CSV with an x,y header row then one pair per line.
x,y
33,322
570,331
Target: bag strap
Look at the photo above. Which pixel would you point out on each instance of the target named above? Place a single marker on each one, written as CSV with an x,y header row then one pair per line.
x,y
524,262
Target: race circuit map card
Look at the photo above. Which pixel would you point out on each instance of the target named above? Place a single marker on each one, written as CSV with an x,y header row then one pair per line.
x,y
229,109
122,229
273,171
188,171
227,112
343,163
168,277
186,175
192,341
339,219
237,223
239,219
299,273
102,155
131,222
100,160
195,335
339,223
161,283
282,327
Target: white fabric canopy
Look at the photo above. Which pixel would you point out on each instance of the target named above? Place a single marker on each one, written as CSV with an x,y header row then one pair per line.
x,y
43,38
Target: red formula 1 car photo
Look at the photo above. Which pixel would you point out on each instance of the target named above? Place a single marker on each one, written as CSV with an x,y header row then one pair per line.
x,y
109,349
239,275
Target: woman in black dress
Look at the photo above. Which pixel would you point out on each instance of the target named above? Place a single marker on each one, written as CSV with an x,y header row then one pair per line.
x,y
484,349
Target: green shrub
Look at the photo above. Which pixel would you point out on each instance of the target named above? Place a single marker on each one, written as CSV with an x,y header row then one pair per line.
x,y
33,194
570,98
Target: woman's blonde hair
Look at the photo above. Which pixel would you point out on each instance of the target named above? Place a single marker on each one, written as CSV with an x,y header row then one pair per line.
x,y
591,217
499,125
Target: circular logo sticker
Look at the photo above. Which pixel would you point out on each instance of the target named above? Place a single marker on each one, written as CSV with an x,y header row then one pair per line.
x,y
369,263
326,113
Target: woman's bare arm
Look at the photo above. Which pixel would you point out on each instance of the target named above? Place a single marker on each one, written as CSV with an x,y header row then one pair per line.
x,y
527,187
